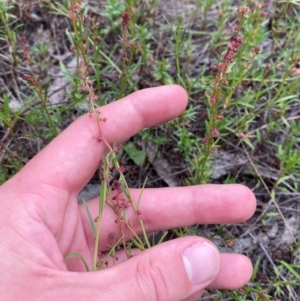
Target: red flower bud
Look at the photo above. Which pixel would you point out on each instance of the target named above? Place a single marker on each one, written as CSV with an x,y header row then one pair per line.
x,y
213,99
215,132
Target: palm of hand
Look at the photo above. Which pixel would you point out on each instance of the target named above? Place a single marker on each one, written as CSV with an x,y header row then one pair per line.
x,y
41,221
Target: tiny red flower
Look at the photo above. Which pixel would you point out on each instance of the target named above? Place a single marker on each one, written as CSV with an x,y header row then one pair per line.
x,y
215,132
205,140
262,14
213,99
121,169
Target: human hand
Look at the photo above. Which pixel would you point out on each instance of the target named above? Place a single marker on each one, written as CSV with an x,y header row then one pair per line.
x,y
41,221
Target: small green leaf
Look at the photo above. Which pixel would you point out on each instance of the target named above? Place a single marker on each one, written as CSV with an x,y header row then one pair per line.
x,y
124,189
102,198
91,220
229,68
137,156
245,104
248,142
285,178
290,268
255,269
66,72
286,98
70,38
77,255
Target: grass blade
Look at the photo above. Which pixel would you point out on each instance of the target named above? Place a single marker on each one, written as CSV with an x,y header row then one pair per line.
x,y
290,268
91,220
77,255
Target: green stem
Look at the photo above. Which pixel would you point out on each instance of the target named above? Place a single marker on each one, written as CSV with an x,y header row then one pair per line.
x,y
178,37
43,99
102,199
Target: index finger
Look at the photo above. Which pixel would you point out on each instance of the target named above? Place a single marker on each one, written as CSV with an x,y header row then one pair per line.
x,y
72,158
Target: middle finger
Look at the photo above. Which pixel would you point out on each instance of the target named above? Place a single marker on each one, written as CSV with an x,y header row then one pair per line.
x,y
166,208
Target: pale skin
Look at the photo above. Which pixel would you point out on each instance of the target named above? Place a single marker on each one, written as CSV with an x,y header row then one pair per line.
x,y
41,221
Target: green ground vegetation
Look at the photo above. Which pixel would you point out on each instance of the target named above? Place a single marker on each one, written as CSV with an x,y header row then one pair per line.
x,y
239,61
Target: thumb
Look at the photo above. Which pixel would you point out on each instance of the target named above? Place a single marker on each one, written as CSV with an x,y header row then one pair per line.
x,y
174,270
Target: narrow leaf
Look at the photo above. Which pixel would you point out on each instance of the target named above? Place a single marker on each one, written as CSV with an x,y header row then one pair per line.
x,y
140,196
124,189
91,220
162,237
77,255
245,104
103,195
290,268
70,38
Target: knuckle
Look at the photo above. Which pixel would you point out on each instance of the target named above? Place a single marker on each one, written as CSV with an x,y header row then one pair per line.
x,y
152,279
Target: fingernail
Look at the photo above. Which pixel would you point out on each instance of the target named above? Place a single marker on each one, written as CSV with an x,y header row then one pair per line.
x,y
201,262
